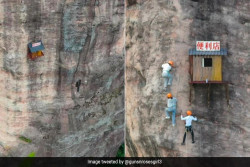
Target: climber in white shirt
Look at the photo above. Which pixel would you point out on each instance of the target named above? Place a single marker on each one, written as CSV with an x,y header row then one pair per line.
x,y
166,73
188,126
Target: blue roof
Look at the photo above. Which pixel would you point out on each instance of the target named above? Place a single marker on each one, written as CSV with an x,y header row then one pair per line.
x,y
205,53
36,48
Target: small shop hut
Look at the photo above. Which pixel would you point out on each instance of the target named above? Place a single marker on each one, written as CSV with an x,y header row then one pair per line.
x,y
206,65
35,50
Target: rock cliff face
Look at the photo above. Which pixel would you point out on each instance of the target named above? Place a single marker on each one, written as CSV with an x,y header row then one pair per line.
x,y
162,30
40,104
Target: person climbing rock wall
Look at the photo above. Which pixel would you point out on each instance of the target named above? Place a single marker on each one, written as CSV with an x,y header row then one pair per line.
x,y
162,30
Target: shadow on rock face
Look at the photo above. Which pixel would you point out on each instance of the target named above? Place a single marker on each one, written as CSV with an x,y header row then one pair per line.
x,y
131,2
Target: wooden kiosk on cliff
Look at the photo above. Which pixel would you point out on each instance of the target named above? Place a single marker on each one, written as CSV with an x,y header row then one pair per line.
x,y
35,50
206,66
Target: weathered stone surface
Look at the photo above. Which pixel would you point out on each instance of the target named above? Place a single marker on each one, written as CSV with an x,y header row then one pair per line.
x,y
83,40
157,31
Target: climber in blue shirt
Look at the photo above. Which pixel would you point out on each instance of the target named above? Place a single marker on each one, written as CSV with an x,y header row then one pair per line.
x,y
171,107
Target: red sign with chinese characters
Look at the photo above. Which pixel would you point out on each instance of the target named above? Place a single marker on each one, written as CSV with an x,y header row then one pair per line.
x,y
36,44
208,45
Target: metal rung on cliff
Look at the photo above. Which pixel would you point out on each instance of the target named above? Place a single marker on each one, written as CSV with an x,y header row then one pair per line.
x,y
35,50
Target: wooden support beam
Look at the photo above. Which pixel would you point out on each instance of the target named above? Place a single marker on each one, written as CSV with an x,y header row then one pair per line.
x,y
190,94
227,94
210,82
208,95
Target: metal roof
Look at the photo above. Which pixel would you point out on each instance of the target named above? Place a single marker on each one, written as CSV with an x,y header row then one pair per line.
x,y
222,52
36,48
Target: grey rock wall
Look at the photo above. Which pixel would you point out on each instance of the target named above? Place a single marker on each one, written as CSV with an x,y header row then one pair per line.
x,y
158,31
84,41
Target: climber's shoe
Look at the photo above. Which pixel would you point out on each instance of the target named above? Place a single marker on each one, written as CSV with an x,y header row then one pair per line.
x,y
169,83
173,125
183,144
167,117
193,142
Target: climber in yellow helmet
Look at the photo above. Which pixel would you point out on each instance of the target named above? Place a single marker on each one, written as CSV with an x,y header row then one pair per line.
x,y
166,68
188,125
171,107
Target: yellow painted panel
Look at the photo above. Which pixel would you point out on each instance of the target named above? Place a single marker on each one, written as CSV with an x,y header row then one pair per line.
x,y
201,73
39,53
36,54
217,68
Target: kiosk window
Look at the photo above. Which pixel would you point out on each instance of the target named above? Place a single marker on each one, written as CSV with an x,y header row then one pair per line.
x,y
207,62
